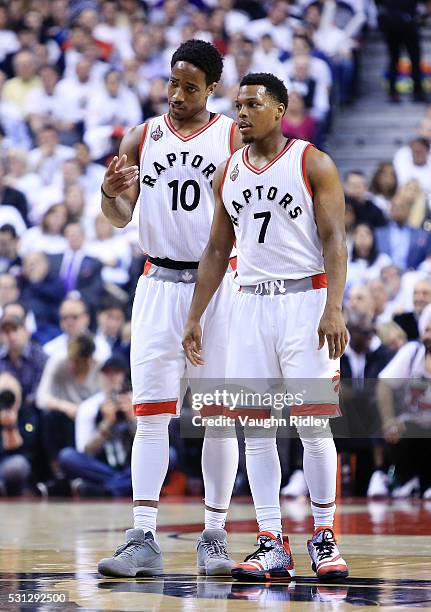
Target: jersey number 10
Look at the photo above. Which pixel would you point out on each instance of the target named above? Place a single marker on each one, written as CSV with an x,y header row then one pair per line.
x,y
189,198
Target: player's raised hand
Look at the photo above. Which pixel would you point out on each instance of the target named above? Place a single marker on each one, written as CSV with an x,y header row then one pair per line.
x,y
332,328
192,343
119,177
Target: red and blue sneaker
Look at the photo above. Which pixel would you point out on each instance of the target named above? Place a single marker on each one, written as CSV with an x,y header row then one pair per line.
x,y
271,561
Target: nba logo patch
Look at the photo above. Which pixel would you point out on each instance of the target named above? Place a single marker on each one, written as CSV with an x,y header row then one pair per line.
x,y
157,133
234,173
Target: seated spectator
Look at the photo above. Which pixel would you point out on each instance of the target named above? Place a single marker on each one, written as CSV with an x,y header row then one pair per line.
x,y
266,58
405,245
111,107
9,290
48,157
10,261
91,175
314,92
104,432
18,88
112,251
364,358
360,301
46,107
383,310
275,23
296,122
78,271
408,321
20,178
11,197
414,162
319,68
76,91
19,433
21,356
383,186
47,237
66,382
406,424
350,224
416,199
365,261
355,188
392,277
156,102
391,335
74,321
110,322
42,292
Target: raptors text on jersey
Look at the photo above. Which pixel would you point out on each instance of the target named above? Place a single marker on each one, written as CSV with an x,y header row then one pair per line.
x,y
272,212
176,172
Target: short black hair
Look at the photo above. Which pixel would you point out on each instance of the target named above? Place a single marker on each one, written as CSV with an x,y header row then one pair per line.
x,y
422,141
7,228
203,55
273,85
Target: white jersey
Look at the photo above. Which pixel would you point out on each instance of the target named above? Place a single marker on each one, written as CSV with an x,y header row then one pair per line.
x,y
176,199
272,212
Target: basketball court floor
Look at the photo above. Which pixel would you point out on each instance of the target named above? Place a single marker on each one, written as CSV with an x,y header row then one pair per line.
x,y
49,552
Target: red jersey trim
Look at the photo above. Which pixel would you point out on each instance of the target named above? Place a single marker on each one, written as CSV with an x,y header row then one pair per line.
x,y
143,137
304,169
193,134
232,137
250,166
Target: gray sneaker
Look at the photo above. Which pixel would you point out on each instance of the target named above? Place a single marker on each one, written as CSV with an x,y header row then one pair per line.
x,y
213,559
139,555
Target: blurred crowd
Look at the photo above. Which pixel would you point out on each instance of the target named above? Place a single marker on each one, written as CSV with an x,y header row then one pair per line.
x,y
73,77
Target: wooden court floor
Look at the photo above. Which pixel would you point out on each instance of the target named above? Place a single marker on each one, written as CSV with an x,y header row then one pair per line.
x,y
49,550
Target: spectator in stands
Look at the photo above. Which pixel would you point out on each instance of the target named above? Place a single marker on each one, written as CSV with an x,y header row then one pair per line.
x,y
20,178
266,58
66,382
112,251
360,301
47,237
9,290
26,80
414,162
10,261
408,321
391,335
47,159
157,101
275,23
319,68
383,310
104,432
110,322
111,107
363,360
11,197
397,20
75,91
383,185
314,92
350,224
77,270
91,174
74,321
296,122
407,425
365,261
19,433
355,188
42,292
21,356
405,245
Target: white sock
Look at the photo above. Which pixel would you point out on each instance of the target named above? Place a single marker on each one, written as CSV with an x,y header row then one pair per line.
x,y
264,477
215,520
323,517
219,467
320,472
150,459
145,517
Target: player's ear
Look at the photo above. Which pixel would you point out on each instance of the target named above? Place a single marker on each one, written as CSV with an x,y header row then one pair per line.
x,y
281,109
211,88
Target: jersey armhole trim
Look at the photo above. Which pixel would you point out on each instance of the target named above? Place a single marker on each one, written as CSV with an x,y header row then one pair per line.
x,y
224,177
231,138
143,137
304,170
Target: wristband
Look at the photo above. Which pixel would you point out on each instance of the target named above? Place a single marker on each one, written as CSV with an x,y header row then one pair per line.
x,y
106,195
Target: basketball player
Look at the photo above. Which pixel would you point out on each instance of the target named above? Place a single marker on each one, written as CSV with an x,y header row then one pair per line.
x,y
282,201
169,163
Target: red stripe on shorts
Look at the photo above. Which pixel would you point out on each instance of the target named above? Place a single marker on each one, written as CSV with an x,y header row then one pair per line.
x,y
151,408
316,409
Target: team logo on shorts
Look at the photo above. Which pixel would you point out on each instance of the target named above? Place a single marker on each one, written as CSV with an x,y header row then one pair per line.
x,y
234,173
157,133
